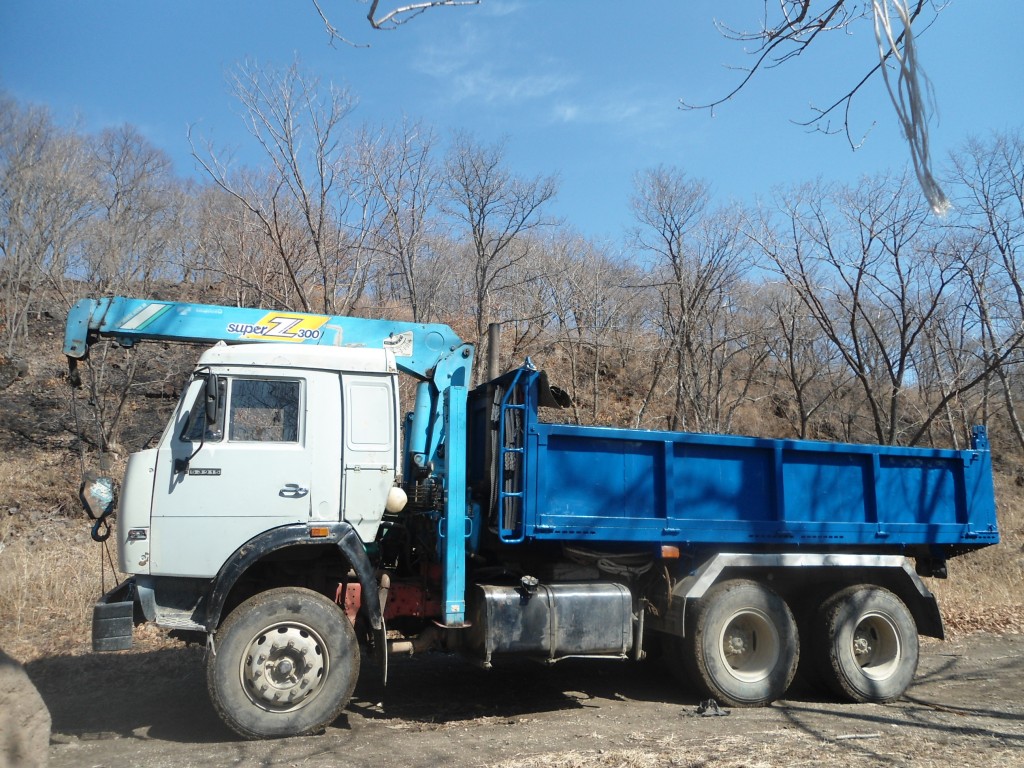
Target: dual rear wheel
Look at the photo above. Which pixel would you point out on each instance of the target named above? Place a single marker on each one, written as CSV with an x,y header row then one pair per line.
x,y
865,644
742,645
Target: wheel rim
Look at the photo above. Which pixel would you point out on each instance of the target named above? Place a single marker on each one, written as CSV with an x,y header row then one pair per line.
x,y
284,667
750,645
876,646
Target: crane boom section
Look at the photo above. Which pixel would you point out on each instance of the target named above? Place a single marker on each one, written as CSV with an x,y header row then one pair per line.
x,y
417,347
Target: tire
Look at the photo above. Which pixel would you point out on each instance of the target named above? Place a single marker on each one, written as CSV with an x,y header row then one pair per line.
x,y
868,644
286,663
742,644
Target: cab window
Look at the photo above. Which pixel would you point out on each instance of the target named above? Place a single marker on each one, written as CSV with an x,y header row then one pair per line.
x,y
264,410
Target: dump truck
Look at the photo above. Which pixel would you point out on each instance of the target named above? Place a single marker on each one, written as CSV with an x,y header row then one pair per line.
x,y
295,519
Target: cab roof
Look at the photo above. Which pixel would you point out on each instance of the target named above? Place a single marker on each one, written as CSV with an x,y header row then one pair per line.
x,y
286,355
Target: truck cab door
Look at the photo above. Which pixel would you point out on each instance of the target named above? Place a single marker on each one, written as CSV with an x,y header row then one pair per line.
x,y
370,453
256,470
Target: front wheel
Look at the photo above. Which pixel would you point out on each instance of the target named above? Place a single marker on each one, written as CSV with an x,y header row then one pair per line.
x,y
868,645
742,644
286,664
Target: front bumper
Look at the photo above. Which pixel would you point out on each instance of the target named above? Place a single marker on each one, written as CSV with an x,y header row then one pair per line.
x,y
113,618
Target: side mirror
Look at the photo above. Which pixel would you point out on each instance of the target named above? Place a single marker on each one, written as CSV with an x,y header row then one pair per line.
x,y
212,401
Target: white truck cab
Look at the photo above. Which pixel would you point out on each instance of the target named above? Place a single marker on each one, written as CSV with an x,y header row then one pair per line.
x,y
304,434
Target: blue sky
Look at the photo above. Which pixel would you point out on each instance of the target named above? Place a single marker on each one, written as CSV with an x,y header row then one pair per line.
x,y
586,89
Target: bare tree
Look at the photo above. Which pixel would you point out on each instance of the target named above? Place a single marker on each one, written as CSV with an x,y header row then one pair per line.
x,y
46,194
521,306
127,243
234,258
446,294
494,211
667,205
990,176
875,276
802,358
302,203
698,259
126,247
588,292
183,247
396,169
957,344
856,268
787,29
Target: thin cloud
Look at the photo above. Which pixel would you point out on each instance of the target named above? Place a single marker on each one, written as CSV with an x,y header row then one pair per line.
x,y
466,67
499,8
489,87
623,109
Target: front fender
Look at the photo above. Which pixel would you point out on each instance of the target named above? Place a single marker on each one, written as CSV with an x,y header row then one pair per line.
x,y
342,535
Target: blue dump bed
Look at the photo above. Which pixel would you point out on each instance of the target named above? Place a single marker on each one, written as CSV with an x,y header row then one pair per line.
x,y
556,482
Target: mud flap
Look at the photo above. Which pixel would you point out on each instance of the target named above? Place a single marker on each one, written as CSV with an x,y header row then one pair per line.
x,y
380,642
113,618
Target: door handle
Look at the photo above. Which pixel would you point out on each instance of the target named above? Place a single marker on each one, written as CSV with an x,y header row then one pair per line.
x,y
293,491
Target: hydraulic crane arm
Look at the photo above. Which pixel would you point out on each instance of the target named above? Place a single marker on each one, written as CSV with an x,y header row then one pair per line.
x,y
418,347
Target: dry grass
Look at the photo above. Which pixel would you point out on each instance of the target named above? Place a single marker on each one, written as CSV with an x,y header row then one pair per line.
x,y
49,567
36,485
985,589
47,589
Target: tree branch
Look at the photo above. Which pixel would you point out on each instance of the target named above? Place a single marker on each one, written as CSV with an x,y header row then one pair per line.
x,y
791,36
384,20
405,13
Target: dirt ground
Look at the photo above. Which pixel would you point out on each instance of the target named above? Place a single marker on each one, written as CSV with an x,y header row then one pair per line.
x,y
150,708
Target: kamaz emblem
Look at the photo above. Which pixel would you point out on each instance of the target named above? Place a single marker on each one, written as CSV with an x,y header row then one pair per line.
x,y
281,326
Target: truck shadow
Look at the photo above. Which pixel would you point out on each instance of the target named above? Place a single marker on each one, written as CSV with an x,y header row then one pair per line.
x,y
161,694
158,694
442,689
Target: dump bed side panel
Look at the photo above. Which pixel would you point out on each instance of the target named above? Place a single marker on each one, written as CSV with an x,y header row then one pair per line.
x,y
540,481
630,485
